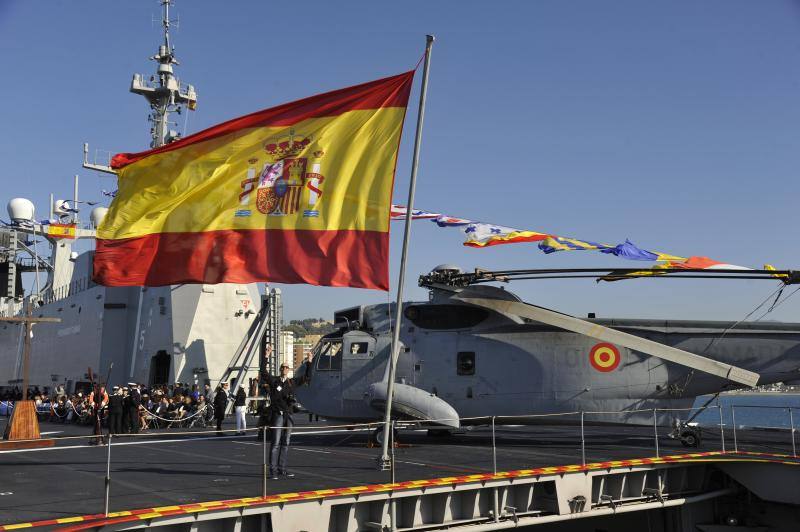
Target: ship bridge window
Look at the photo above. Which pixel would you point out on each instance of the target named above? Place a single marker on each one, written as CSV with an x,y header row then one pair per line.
x,y
329,356
445,316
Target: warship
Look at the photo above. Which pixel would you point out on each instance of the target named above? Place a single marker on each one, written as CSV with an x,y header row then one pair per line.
x,y
557,476
191,334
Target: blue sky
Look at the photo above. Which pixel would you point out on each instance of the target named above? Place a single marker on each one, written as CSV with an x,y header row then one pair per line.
x,y
674,124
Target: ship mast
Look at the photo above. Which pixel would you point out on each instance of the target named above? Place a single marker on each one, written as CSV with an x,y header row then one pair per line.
x,y
164,91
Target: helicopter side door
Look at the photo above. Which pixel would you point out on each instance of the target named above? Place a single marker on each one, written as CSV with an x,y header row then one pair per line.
x,y
328,375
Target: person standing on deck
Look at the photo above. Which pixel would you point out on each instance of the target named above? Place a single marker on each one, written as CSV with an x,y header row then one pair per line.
x,y
220,404
240,408
97,401
126,411
282,401
134,403
116,404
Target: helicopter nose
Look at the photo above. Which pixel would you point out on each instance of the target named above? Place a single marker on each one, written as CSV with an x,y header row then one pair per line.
x,y
413,402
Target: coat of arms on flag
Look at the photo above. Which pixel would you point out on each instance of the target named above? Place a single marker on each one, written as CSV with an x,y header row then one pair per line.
x,y
284,178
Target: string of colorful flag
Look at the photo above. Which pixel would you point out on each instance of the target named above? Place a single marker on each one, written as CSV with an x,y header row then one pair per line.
x,y
480,235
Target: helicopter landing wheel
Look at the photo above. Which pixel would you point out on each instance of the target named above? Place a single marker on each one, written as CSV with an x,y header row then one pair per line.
x,y
376,438
690,438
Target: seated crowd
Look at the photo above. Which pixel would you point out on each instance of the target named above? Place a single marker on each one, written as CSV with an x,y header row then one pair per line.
x,y
160,406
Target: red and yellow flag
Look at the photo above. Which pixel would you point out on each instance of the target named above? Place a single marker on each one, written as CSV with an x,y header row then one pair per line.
x,y
62,230
299,193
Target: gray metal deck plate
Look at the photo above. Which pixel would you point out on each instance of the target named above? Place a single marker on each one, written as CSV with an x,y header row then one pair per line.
x,y
68,480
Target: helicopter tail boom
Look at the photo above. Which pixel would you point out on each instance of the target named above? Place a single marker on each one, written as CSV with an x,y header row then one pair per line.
x,y
606,334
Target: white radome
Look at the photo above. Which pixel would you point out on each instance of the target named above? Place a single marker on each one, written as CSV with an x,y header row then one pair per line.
x,y
61,208
20,210
97,215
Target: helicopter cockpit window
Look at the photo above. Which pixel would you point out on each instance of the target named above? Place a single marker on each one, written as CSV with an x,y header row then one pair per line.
x,y
359,348
330,356
445,316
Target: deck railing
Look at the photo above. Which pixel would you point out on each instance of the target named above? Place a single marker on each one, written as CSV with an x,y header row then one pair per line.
x,y
493,434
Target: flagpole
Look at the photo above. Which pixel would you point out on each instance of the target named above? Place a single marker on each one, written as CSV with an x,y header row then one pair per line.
x,y
385,461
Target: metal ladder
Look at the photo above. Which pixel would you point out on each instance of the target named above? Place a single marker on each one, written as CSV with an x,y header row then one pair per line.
x,y
248,349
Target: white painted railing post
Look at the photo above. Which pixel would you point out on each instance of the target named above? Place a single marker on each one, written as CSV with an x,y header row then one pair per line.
x,y
655,429
494,450
583,442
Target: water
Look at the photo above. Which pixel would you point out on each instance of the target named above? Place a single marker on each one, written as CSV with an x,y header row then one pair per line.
x,y
764,410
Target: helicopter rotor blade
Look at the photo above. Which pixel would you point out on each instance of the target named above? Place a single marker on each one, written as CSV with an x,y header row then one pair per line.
x,y
606,334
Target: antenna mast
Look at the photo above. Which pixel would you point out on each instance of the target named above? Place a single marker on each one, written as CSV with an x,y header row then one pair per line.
x,y
164,91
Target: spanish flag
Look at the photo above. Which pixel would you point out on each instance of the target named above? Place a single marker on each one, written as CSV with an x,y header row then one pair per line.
x,y
299,193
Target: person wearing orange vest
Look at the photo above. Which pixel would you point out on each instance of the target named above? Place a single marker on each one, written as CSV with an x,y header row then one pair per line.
x,y
98,402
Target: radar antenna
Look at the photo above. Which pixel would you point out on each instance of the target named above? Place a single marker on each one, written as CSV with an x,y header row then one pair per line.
x,y
163,91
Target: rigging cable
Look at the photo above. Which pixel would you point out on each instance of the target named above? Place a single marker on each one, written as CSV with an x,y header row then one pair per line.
x,y
185,121
727,330
777,303
389,310
689,376
36,262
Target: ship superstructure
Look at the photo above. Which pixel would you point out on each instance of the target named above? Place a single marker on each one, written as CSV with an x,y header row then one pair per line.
x,y
152,335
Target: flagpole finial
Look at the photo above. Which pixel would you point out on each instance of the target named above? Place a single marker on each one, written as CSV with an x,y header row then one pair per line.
x,y
430,38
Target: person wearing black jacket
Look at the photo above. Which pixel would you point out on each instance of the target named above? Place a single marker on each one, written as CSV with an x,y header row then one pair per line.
x,y
134,402
115,408
126,411
282,400
220,404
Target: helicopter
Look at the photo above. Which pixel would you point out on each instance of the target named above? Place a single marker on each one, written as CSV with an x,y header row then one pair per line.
x,y
475,351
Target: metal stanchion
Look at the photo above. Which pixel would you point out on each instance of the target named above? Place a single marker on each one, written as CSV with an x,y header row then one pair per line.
x,y
495,495
791,424
391,443
733,422
583,442
108,474
494,450
264,474
264,465
721,429
655,429
392,507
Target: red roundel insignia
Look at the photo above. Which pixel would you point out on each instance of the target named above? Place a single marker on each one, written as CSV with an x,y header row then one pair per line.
x,y
604,357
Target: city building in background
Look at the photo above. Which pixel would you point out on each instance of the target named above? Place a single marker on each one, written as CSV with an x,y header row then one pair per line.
x,y
302,350
287,350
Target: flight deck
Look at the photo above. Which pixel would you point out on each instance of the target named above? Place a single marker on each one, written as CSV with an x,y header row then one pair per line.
x,y
166,469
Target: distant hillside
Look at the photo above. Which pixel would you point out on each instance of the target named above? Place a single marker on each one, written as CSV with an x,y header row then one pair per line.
x,y
306,326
